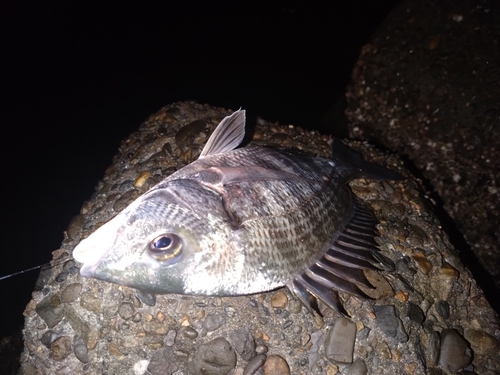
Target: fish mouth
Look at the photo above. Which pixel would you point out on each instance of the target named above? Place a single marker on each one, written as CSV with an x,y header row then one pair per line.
x,y
93,249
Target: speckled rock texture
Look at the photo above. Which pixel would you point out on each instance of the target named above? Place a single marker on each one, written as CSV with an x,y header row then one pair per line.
x,y
427,86
427,317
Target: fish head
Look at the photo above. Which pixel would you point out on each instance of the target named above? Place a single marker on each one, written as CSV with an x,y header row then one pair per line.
x,y
173,239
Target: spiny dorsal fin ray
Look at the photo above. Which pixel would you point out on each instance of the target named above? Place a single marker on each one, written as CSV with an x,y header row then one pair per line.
x,y
227,136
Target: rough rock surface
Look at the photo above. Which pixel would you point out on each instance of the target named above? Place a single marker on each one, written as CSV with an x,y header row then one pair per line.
x,y
427,85
429,316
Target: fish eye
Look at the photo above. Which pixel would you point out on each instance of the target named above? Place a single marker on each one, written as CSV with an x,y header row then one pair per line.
x,y
166,247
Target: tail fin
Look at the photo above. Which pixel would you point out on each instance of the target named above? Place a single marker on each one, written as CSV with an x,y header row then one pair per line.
x,y
358,167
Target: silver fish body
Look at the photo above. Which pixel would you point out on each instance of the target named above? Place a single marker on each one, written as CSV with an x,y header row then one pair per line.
x,y
243,221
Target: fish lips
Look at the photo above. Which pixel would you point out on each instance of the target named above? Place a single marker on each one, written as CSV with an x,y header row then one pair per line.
x,y
93,249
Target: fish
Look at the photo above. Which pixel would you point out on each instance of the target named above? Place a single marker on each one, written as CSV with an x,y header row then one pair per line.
x,y
246,220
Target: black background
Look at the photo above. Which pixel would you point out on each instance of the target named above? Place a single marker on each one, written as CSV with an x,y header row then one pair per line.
x,y
77,77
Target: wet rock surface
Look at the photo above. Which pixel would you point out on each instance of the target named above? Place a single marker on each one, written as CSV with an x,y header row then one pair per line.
x,y
86,326
427,86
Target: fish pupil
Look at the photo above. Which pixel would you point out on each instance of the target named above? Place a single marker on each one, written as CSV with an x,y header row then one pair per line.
x,y
162,242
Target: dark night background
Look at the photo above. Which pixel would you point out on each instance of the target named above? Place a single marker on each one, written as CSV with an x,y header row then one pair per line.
x,y
78,77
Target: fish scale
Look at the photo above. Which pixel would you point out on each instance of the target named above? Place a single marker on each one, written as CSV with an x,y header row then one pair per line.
x,y
244,220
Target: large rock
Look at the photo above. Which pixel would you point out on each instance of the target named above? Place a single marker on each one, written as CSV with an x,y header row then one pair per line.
x,y
111,329
427,86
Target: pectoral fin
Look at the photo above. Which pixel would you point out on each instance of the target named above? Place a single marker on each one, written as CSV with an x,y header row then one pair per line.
x,y
340,269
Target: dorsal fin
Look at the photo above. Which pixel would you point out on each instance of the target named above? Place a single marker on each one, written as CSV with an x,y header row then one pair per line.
x,y
227,136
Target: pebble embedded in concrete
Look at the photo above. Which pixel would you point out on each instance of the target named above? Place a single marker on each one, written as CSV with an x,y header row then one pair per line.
x,y
339,344
279,300
455,353
214,358
276,365
389,323
254,364
60,348
243,343
358,367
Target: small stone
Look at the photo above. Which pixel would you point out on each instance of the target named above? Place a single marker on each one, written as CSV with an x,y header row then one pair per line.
x,y
70,264
189,333
154,327
417,237
48,338
126,310
137,317
254,364
339,344
261,349
455,353
402,296
141,178
415,313
91,303
411,367
50,310
448,272
81,350
62,276
243,343
199,315
396,355
128,340
140,367
154,345
276,365
279,300
332,370
160,317
71,292
363,333
389,323
295,306
213,321
75,226
188,132
185,321
135,301
443,309
482,343
169,339
126,198
214,358
358,367
423,264
167,148
318,322
114,350
73,270
125,186
316,340
60,348
433,348
89,334
163,361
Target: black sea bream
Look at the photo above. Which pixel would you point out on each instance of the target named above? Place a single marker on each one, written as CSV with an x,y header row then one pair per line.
x,y
244,220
